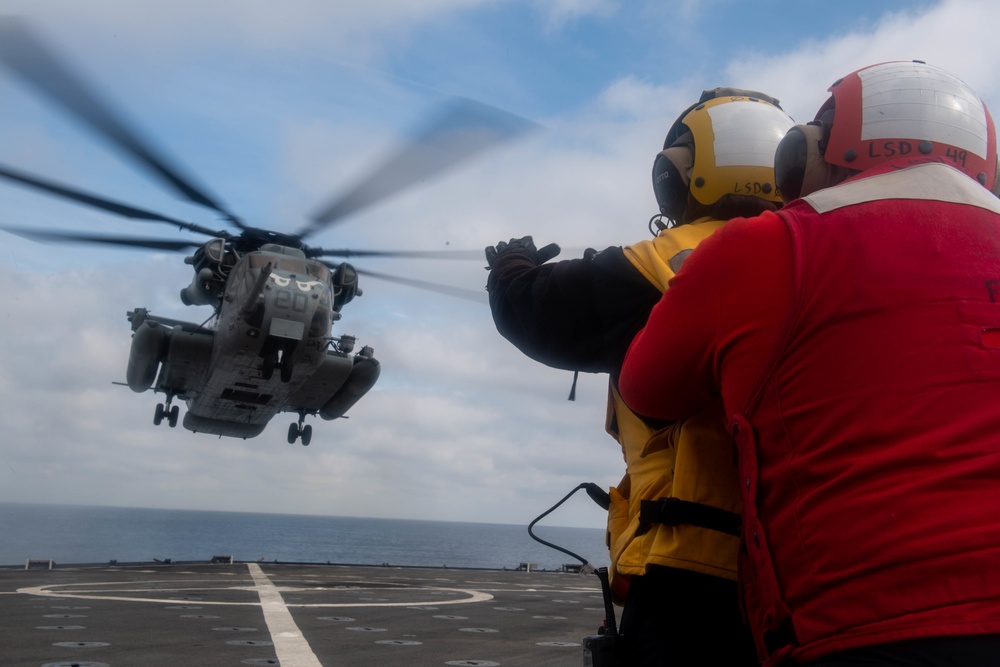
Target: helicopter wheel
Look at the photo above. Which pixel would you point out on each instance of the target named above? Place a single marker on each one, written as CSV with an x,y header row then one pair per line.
x,y
172,416
286,370
293,433
158,414
307,434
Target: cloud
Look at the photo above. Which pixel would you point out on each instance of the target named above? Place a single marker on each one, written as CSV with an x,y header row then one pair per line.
x,y
956,35
358,29
631,97
559,13
461,426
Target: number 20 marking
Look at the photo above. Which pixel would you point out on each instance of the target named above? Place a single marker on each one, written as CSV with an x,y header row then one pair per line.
x,y
288,300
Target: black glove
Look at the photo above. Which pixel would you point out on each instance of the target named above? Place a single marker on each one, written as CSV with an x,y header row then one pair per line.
x,y
524,246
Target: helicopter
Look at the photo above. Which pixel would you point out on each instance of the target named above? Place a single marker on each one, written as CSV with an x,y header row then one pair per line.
x,y
269,345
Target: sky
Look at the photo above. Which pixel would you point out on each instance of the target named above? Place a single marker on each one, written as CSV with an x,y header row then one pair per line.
x,y
278,107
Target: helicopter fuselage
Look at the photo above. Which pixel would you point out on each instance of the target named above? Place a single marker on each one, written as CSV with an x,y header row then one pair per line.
x,y
271,349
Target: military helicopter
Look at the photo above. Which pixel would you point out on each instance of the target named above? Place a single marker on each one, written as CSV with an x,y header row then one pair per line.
x,y
269,345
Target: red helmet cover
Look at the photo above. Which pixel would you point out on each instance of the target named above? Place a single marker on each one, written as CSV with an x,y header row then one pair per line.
x,y
897,109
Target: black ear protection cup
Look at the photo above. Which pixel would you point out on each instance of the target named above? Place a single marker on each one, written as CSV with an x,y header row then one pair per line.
x,y
790,160
670,180
799,166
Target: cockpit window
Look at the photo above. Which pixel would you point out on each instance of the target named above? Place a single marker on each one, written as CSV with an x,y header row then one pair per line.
x,y
318,271
296,266
288,265
258,261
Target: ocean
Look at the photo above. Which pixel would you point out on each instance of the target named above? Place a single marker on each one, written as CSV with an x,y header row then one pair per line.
x,y
69,534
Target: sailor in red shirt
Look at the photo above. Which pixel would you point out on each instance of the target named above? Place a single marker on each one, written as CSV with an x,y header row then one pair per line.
x,y
854,339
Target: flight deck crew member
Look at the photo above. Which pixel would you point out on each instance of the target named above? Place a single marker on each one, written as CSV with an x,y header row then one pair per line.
x,y
674,518
854,338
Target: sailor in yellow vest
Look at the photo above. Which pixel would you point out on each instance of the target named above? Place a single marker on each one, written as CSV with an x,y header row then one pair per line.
x,y
674,519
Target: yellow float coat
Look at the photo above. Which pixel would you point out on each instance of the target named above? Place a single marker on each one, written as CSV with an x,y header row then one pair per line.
x,y
693,460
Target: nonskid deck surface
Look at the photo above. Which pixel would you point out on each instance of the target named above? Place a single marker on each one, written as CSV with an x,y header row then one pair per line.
x,y
294,616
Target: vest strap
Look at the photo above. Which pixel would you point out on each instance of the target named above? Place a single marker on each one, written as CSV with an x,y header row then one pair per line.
x,y
674,511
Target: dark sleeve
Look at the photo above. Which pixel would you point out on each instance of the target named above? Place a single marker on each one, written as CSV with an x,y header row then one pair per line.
x,y
577,314
733,296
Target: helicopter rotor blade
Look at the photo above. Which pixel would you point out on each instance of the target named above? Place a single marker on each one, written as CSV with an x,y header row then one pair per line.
x,y
461,129
100,239
118,208
418,254
479,296
26,56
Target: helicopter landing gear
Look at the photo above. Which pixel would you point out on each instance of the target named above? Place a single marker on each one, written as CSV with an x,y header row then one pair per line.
x,y
171,413
269,364
297,430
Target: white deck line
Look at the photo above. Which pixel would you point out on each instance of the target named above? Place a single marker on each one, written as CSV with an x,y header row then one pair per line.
x,y
290,646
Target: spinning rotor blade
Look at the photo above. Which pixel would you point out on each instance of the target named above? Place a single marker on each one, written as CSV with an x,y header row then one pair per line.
x,y
420,254
117,208
152,244
27,57
479,296
459,131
